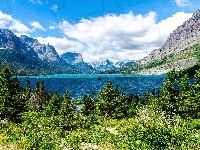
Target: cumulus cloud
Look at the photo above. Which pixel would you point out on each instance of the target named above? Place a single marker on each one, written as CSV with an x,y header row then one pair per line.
x,y
116,37
182,3
37,25
54,8
121,37
6,21
62,44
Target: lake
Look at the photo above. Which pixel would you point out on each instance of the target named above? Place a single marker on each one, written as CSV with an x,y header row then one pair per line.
x,y
78,84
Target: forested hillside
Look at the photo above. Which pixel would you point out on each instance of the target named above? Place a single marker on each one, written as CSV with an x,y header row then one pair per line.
x,y
25,64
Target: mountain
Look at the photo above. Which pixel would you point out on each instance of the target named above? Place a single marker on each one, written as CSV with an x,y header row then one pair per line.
x,y
23,63
72,58
76,60
8,40
104,66
44,52
29,57
180,50
121,64
107,65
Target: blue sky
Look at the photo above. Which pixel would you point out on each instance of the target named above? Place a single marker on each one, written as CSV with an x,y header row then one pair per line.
x,y
115,29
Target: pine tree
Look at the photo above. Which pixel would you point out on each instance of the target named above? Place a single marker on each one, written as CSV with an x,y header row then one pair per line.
x,y
39,97
170,93
52,106
28,88
67,106
194,104
88,105
111,102
12,101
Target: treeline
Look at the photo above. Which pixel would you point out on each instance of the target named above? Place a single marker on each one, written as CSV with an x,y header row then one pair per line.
x,y
165,119
16,100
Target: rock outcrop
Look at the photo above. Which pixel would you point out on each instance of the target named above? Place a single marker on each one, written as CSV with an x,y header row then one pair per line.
x,y
72,58
8,40
163,69
44,52
76,60
184,36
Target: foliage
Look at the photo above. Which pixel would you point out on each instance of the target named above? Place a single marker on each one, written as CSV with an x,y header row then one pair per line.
x,y
39,97
12,100
88,105
111,102
168,119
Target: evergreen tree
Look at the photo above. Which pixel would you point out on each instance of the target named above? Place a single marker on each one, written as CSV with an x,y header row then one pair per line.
x,y
67,106
12,101
190,97
88,105
43,95
185,97
28,89
170,93
39,97
111,102
53,105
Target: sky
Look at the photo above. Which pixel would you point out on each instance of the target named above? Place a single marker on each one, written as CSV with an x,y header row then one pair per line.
x,y
118,30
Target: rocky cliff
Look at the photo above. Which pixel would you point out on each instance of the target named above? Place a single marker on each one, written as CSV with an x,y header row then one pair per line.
x,y
44,52
76,60
8,40
72,58
184,36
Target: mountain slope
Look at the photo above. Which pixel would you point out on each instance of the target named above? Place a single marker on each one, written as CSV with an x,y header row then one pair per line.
x,y
29,57
23,63
177,52
44,52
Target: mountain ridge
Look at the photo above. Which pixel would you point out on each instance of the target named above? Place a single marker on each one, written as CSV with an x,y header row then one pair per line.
x,y
175,51
107,65
26,50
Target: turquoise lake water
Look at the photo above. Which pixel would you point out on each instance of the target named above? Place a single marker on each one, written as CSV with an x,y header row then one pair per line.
x,y
78,84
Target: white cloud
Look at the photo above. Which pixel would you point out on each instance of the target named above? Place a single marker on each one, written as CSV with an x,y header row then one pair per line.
x,y
35,1
54,8
52,27
121,37
182,3
116,37
6,21
37,25
62,44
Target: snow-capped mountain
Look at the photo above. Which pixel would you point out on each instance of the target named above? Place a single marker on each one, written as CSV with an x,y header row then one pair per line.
x,y
108,65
